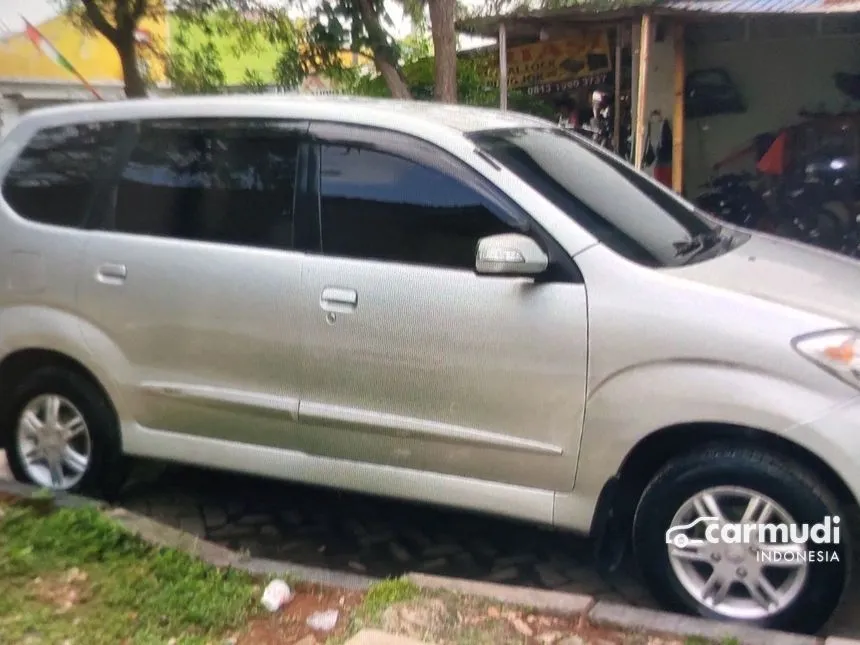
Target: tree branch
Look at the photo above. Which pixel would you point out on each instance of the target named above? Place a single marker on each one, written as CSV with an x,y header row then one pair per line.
x,y
98,20
138,10
383,54
122,18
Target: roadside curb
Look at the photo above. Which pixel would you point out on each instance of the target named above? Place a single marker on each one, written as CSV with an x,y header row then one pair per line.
x,y
610,614
601,613
63,500
556,602
621,616
163,535
839,640
167,536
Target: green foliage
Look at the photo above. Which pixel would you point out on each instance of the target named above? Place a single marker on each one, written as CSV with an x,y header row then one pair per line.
x,y
473,88
134,593
251,44
338,25
195,69
416,46
253,82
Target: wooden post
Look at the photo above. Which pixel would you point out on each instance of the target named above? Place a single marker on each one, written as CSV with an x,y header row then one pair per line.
x,y
616,110
678,111
642,91
503,67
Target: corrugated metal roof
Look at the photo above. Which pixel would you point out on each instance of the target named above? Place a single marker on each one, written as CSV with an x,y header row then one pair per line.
x,y
589,10
763,6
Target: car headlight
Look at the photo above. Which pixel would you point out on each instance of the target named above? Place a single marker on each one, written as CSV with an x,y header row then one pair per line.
x,y
837,351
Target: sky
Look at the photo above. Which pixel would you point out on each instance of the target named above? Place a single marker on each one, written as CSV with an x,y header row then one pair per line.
x,y
37,11
32,10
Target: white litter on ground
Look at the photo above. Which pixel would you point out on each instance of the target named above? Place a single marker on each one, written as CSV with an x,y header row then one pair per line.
x,y
323,621
276,594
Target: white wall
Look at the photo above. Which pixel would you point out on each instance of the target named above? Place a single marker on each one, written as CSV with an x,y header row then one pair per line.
x,y
776,78
8,115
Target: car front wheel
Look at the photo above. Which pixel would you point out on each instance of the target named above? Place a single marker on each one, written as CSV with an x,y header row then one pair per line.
x,y
766,542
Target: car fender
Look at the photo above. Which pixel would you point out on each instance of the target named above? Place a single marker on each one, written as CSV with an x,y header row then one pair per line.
x,y
632,404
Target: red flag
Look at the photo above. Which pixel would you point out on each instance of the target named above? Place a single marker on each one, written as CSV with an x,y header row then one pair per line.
x,y
44,45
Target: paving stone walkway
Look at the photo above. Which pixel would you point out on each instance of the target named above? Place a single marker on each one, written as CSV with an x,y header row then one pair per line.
x,y
377,537
371,536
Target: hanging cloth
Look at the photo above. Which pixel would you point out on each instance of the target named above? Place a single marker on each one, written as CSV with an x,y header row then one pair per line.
x,y
663,161
648,156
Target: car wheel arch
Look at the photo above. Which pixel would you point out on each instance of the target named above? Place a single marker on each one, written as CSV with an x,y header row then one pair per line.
x,y
619,498
21,362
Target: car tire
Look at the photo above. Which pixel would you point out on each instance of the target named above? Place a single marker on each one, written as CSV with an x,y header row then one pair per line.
x,y
97,438
816,594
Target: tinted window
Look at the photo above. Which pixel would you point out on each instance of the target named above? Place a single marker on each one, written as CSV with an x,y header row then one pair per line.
x,y
624,209
52,180
380,206
231,182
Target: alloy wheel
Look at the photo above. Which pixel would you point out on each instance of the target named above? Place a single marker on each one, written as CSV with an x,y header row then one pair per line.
x,y
54,442
748,580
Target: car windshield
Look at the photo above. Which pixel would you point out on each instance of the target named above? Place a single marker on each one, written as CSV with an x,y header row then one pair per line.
x,y
626,210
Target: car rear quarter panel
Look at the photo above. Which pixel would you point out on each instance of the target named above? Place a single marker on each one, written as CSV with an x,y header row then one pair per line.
x,y
40,266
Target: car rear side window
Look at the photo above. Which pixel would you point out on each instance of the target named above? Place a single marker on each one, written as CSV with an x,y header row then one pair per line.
x,y
52,179
379,206
229,181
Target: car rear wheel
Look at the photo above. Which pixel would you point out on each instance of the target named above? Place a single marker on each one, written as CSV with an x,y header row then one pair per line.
x,y
734,560
61,434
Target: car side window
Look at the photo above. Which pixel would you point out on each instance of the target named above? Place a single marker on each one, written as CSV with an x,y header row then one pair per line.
x,y
211,180
52,179
379,206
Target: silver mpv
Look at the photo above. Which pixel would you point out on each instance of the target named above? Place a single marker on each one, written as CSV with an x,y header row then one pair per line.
x,y
439,304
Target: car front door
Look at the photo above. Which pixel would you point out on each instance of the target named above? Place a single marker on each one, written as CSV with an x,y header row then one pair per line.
x,y
412,359
192,277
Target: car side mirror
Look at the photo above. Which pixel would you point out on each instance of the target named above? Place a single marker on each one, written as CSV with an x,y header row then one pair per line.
x,y
510,254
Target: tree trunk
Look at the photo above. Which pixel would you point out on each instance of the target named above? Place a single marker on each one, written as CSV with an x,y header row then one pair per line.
x,y
444,49
135,86
383,55
393,76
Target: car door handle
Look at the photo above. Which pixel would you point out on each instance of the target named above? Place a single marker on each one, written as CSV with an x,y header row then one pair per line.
x,y
111,273
338,299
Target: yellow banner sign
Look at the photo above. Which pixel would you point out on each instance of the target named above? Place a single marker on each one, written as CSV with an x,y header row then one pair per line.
x,y
553,64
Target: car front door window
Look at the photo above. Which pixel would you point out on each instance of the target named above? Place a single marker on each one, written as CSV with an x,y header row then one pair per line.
x,y
380,206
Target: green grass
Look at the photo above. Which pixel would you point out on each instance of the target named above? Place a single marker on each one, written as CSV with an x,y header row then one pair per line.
x,y
701,640
385,593
378,598
72,572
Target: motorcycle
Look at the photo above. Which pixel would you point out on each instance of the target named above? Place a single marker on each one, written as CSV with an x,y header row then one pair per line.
x,y
833,176
789,209
733,199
